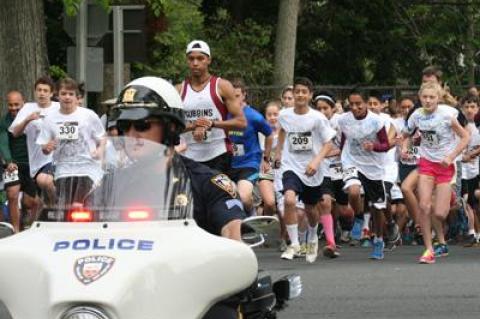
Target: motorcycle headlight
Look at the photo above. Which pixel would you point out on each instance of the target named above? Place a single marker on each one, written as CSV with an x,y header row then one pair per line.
x,y
85,312
288,287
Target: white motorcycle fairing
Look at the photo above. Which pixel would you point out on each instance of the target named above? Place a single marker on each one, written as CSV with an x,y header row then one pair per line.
x,y
152,270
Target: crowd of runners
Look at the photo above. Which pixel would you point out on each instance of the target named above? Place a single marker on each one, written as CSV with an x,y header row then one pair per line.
x,y
356,171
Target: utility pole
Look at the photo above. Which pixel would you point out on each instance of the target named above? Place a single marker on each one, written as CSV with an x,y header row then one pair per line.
x,y
81,39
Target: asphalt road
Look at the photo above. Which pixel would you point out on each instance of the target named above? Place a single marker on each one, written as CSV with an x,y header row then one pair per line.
x,y
353,286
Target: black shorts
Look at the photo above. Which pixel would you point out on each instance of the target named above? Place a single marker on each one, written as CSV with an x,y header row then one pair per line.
x,y
216,216
243,173
72,189
405,170
307,194
468,187
393,198
222,163
375,192
26,182
46,169
335,189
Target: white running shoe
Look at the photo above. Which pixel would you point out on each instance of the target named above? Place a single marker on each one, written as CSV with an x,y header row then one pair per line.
x,y
291,252
312,252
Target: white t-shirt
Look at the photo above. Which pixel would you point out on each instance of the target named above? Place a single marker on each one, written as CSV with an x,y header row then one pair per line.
x,y
77,135
391,164
369,163
36,158
305,135
438,138
332,166
470,169
412,150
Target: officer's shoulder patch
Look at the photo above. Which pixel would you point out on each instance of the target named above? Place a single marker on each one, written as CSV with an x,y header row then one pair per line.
x,y
223,182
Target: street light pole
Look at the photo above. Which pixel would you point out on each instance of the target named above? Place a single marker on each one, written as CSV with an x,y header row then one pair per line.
x,y
81,39
118,54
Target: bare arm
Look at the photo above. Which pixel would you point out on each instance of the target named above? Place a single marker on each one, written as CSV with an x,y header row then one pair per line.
x,y
279,148
312,167
188,126
462,144
335,151
392,134
265,165
20,127
238,120
268,146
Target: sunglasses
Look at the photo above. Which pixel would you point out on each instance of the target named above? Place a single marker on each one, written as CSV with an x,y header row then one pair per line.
x,y
138,125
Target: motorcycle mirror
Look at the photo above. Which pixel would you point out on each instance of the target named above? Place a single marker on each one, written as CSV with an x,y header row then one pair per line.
x,y
6,229
259,230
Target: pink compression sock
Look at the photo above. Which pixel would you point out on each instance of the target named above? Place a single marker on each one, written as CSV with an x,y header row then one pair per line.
x,y
327,222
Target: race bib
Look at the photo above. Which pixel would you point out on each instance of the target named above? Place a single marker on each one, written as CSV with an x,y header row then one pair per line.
x,y
300,142
238,150
206,136
10,177
68,131
336,172
413,156
350,173
430,138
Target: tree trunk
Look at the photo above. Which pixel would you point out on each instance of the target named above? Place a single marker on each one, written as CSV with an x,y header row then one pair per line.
x,y
23,48
285,42
470,43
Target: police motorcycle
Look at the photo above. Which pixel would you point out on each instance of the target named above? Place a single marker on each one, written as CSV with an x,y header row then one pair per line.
x,y
127,247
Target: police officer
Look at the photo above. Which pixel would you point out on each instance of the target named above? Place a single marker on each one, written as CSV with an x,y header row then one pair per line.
x,y
150,108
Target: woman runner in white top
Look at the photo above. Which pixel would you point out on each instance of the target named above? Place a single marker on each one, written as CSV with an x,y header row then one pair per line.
x,y
438,126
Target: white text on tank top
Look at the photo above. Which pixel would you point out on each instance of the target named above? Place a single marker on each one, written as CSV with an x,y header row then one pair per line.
x,y
437,136
471,169
369,163
197,105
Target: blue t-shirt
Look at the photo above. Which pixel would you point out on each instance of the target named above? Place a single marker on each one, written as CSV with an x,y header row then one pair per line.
x,y
247,151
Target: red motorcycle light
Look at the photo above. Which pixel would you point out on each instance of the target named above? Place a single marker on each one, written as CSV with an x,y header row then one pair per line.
x,y
80,216
139,215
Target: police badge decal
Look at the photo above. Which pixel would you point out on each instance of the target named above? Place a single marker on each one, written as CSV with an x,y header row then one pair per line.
x,y
91,268
223,182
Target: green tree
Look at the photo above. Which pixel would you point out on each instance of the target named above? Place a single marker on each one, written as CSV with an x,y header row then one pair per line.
x,y
240,49
181,21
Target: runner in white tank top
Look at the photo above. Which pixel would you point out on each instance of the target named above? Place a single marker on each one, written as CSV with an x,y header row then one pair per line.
x,y
207,101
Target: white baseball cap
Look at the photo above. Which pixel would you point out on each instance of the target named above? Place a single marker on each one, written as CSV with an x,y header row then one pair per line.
x,y
198,46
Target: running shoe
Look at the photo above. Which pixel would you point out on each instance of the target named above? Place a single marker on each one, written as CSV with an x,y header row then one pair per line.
x,y
311,252
366,238
345,237
470,241
428,257
391,245
331,251
303,250
283,245
291,252
393,232
378,248
441,250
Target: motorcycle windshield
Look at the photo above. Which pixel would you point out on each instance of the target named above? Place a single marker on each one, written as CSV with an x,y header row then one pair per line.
x,y
139,180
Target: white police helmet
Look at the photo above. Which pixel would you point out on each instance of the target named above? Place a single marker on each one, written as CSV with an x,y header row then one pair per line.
x,y
148,97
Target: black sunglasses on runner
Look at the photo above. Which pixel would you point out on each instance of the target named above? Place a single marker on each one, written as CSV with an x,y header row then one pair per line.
x,y
138,125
